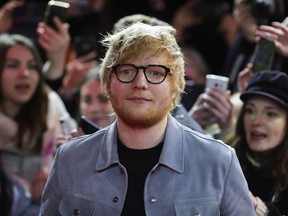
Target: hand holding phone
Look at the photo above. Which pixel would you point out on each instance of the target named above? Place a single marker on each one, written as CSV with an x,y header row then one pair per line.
x,y
56,8
263,55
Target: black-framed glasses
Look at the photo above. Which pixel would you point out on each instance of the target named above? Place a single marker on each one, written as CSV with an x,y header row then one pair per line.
x,y
155,74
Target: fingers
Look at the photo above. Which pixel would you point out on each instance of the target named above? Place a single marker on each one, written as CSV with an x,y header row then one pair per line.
x,y
77,70
270,31
201,112
60,140
61,27
211,107
76,133
253,198
281,32
51,39
277,31
244,77
11,5
280,26
219,105
88,57
202,116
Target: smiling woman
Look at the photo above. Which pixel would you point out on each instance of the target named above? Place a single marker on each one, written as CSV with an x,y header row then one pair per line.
x,y
262,140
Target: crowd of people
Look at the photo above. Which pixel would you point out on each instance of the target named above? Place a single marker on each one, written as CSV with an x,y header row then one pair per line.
x,y
166,145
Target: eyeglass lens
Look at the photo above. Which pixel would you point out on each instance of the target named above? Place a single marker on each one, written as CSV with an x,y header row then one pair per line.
x,y
153,73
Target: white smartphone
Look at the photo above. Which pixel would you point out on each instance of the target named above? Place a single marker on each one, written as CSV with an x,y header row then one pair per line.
x,y
216,81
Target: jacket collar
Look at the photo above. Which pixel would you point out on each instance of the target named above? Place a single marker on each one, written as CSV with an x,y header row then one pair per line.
x,y
172,155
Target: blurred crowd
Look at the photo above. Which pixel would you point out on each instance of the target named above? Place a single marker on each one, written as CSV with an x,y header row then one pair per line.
x,y
49,78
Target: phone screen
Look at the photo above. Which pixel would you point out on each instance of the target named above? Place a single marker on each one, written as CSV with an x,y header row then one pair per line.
x,y
263,55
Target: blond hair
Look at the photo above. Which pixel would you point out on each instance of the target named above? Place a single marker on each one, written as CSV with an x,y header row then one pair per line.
x,y
140,38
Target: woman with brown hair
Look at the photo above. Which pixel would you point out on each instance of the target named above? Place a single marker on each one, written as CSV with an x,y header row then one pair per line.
x,y
262,141
29,114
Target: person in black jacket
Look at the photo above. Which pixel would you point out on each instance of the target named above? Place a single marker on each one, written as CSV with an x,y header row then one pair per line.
x,y
261,141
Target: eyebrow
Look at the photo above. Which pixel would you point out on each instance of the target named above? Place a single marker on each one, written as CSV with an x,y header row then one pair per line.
x,y
17,59
275,107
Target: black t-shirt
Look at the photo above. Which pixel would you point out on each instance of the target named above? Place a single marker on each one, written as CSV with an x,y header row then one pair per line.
x,y
138,164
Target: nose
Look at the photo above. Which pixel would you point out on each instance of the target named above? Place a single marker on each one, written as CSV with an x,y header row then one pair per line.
x,y
256,119
140,81
94,106
23,72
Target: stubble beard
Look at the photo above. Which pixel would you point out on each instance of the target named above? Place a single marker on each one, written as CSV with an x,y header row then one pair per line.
x,y
141,118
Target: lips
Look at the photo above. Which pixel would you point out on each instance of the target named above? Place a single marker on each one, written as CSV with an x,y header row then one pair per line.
x,y
22,87
138,98
258,135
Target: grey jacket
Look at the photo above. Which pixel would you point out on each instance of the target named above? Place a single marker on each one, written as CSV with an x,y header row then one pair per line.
x,y
181,115
196,175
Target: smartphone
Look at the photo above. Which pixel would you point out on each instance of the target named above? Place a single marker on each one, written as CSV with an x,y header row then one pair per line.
x,y
216,81
56,8
88,126
263,55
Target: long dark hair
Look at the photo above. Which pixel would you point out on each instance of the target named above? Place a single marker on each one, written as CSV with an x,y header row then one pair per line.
x,y
31,119
280,160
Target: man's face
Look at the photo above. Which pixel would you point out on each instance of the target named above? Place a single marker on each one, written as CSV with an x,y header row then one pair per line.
x,y
141,104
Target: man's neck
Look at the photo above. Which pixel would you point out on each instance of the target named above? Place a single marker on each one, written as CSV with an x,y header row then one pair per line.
x,y
141,138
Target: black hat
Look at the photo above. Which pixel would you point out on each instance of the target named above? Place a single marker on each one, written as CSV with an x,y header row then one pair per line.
x,y
270,84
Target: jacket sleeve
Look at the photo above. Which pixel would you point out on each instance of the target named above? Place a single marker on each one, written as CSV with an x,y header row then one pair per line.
x,y
51,197
236,197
